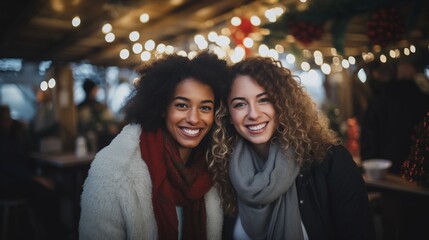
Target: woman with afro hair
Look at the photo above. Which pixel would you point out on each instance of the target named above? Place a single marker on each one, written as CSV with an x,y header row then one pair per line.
x,y
152,181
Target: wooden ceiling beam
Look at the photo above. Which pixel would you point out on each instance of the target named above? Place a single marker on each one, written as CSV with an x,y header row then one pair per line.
x,y
86,30
171,26
11,31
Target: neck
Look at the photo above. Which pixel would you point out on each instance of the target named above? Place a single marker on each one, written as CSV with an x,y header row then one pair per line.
x,y
184,154
262,149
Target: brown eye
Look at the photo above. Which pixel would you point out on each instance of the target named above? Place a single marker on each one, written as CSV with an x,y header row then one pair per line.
x,y
206,108
264,100
181,105
238,105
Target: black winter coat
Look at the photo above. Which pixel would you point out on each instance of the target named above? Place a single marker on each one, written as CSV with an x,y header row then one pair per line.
x,y
333,200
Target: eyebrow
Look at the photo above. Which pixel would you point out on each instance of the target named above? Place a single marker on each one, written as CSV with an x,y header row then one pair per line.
x,y
188,100
242,98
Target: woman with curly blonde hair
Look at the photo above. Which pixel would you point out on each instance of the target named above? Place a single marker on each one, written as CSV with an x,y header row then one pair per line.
x,y
278,164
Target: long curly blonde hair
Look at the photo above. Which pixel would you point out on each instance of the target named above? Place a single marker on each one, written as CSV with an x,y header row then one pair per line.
x,y
301,127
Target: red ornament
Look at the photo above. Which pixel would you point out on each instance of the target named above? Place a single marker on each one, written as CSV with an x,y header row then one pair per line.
x,y
352,141
306,32
385,26
240,32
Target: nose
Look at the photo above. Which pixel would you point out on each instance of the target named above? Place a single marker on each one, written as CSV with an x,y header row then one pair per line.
x,y
193,116
254,112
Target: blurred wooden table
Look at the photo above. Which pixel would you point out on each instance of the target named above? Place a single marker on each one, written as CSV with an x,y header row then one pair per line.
x,y
401,207
396,183
63,160
69,172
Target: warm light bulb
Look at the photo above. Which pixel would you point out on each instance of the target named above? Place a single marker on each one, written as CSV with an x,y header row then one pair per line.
x,y
76,21
134,36
182,53
124,54
110,37
106,28
212,36
145,56
248,42
161,48
263,50
290,58
255,20
149,45
406,51
51,83
169,49
326,69
144,18
223,41
235,21
305,66
137,48
345,63
43,86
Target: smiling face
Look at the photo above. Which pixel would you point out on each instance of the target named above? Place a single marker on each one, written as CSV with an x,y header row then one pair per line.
x,y
190,114
252,113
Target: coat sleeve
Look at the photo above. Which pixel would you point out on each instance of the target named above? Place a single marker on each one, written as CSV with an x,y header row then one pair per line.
x,y
101,216
348,198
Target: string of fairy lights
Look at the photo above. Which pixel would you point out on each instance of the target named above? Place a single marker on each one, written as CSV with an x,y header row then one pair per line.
x,y
219,41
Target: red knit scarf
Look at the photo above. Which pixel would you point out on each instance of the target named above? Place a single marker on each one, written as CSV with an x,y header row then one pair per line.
x,y
175,184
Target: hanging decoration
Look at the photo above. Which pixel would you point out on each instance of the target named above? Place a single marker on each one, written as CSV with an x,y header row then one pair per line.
x,y
240,32
387,21
385,26
306,32
416,167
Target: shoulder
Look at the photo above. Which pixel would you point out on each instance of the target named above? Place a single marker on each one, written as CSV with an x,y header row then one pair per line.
x,y
338,152
338,155
337,162
342,169
121,159
118,171
118,183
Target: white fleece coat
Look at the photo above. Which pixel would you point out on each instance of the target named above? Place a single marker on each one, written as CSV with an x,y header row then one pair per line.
x,y
116,202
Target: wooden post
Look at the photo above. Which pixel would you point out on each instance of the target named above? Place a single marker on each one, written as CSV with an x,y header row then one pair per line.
x,y
66,106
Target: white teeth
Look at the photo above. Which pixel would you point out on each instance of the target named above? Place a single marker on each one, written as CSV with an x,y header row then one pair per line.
x,y
191,131
257,127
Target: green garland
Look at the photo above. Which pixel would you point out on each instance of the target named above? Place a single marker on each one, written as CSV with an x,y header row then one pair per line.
x,y
339,12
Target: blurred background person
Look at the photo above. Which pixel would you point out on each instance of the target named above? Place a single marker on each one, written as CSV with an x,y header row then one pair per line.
x,y
386,133
45,124
96,121
18,178
390,119
380,76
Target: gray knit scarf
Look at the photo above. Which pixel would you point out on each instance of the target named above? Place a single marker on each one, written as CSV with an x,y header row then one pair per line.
x,y
266,193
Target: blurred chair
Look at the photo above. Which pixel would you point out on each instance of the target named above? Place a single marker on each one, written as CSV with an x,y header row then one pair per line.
x,y
15,213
